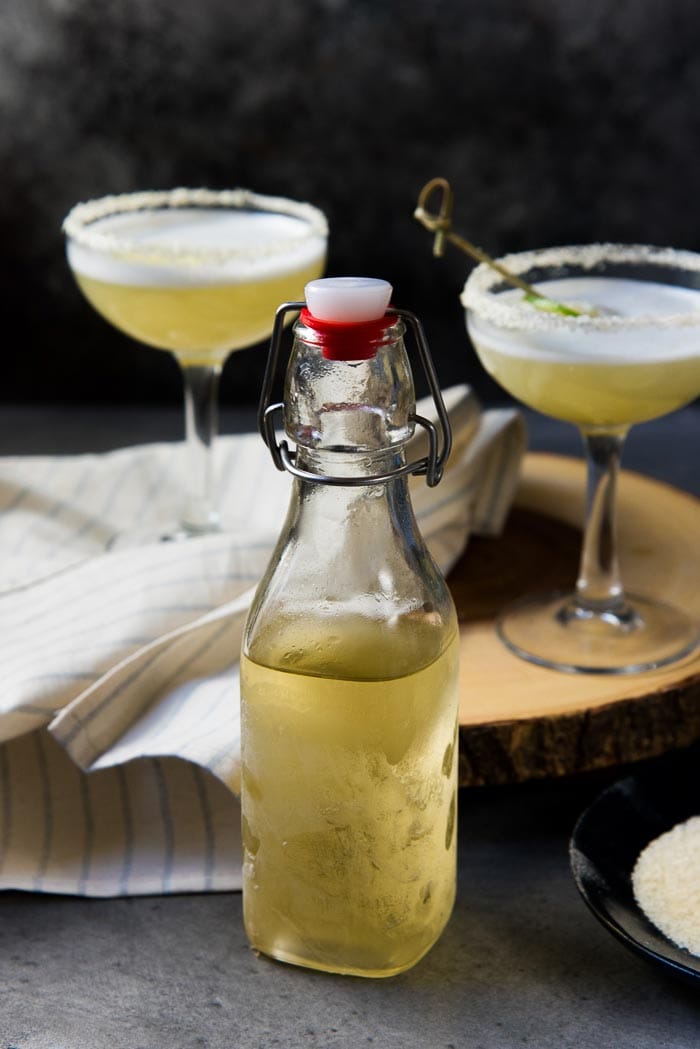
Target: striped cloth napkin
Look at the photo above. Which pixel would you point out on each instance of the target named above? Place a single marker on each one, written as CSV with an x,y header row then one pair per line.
x,y
119,732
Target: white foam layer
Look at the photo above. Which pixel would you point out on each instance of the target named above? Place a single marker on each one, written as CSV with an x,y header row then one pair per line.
x,y
618,300
171,243
348,300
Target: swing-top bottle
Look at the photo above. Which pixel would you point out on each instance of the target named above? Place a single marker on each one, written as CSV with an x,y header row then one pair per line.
x,y
349,660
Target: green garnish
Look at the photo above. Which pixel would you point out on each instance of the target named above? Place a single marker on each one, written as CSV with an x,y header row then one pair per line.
x,y
541,302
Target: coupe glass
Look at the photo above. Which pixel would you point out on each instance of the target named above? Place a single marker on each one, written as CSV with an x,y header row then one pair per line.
x,y
199,273
631,354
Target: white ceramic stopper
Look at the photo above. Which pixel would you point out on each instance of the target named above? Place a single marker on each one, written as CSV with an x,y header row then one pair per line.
x,y
348,300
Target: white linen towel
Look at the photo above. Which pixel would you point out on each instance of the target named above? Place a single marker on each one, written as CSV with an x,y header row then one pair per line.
x,y
119,732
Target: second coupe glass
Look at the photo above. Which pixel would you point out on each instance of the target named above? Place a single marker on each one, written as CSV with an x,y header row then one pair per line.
x,y
630,354
199,273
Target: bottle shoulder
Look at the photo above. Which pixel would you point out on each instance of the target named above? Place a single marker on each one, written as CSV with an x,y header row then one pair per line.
x,y
351,583
333,642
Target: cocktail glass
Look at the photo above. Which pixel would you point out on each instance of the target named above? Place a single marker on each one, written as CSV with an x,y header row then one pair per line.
x,y
199,273
631,354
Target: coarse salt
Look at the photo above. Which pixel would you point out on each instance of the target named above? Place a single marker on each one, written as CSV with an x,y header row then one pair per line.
x,y
666,883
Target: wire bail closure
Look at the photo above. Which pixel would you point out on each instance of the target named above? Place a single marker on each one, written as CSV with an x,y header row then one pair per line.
x,y
430,466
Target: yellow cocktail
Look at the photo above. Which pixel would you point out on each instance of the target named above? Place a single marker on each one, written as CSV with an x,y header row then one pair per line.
x,y
608,377
624,349
198,273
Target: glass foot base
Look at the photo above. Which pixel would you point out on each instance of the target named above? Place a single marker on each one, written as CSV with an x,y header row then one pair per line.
x,y
553,631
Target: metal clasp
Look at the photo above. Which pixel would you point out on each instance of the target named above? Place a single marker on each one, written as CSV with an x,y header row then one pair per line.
x,y
439,437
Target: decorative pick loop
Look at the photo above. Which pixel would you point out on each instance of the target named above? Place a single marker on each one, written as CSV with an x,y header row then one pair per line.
x,y
441,225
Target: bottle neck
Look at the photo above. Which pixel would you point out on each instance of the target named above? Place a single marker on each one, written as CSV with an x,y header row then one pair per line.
x,y
364,407
354,465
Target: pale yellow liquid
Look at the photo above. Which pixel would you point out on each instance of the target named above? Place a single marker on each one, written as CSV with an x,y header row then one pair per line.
x,y
600,379
349,795
201,324
595,395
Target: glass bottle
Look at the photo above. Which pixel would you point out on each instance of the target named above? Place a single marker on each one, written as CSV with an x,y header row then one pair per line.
x,y
349,666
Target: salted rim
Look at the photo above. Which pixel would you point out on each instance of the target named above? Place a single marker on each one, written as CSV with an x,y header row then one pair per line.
x,y
515,314
79,219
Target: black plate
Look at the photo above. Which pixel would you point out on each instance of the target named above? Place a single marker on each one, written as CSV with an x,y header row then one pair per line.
x,y
609,837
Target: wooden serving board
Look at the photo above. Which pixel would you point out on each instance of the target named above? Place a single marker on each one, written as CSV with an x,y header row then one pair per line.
x,y
519,721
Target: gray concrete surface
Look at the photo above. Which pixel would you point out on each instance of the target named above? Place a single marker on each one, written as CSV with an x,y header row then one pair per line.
x,y
522,963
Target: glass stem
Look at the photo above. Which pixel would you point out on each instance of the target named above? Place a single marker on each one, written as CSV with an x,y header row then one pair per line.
x,y
201,426
599,587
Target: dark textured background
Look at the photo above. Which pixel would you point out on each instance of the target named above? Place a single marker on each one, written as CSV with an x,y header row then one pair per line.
x,y
555,120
